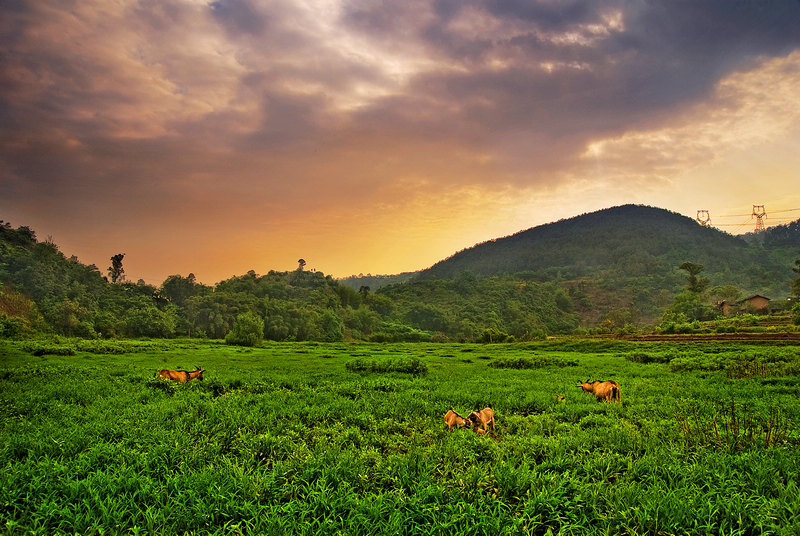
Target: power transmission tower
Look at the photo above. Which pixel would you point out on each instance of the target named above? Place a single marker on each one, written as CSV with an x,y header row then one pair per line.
x,y
759,214
703,217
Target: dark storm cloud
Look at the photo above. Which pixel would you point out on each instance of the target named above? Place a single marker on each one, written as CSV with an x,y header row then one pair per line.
x,y
606,79
240,16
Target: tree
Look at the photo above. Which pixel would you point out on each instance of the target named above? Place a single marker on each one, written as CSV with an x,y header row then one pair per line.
x,y
331,326
179,289
147,320
116,272
301,264
729,293
248,330
796,282
693,283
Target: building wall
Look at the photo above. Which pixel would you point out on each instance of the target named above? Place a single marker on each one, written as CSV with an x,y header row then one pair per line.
x,y
758,303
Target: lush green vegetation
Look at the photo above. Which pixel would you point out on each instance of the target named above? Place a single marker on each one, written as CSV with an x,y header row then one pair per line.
x,y
634,243
43,291
333,438
606,272
626,258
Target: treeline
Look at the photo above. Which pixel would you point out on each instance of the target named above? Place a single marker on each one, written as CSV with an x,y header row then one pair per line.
x,y
43,291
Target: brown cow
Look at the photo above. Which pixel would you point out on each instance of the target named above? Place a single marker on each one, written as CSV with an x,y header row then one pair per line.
x,y
181,376
603,390
451,418
482,418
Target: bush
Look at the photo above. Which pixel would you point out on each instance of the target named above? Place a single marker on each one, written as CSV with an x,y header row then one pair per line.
x,y
411,366
390,332
532,362
41,350
492,335
646,358
248,330
12,326
796,314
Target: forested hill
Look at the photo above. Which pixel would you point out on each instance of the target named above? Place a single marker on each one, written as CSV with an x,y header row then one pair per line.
x,y
613,269
629,241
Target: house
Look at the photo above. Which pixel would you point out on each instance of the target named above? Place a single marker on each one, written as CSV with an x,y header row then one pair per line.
x,y
754,304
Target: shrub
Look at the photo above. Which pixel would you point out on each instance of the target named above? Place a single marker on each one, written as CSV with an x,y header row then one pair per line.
x,y
532,362
248,330
645,358
413,366
40,350
492,335
390,332
12,326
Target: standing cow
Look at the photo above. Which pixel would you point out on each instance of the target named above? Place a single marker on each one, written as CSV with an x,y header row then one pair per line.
x,y
608,391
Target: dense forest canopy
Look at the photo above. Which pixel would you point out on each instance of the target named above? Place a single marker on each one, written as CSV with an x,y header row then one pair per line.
x,y
612,268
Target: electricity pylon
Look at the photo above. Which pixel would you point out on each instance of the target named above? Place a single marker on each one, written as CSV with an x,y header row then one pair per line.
x,y
703,217
759,214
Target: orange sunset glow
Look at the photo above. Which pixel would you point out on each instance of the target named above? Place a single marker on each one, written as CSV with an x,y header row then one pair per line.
x,y
217,137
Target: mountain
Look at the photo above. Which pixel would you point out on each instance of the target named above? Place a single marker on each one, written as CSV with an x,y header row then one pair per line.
x,y
632,245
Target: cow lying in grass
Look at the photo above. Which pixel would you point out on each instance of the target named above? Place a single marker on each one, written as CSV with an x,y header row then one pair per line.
x,y
603,390
481,419
181,376
451,419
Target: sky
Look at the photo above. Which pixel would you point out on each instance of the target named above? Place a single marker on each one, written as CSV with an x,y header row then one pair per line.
x,y
379,137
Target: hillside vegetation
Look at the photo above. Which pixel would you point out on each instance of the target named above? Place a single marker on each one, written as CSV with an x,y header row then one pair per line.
x,y
635,245
610,270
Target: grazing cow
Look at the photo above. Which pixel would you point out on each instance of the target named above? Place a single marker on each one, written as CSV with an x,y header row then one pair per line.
x,y
181,376
451,418
482,418
603,390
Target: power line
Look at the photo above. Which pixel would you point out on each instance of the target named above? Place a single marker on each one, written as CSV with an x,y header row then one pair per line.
x,y
741,215
783,220
759,213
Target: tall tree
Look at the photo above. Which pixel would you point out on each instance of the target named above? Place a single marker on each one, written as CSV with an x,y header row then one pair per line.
x,y
693,282
796,282
116,272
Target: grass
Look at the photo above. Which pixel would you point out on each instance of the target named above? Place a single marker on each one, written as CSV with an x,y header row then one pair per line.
x,y
349,439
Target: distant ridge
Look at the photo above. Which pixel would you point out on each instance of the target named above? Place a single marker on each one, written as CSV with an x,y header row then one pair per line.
x,y
632,236
632,243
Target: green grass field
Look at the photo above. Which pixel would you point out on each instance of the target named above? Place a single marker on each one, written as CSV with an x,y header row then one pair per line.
x,y
349,439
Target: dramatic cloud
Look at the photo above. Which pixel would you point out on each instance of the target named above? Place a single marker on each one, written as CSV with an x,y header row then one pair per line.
x,y
368,136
